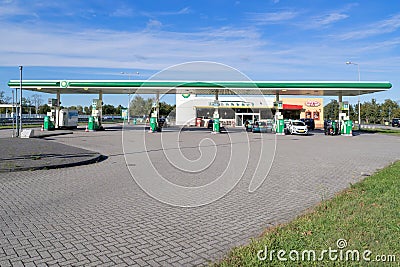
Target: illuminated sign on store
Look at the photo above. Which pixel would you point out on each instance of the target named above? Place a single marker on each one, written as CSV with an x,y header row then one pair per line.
x,y
312,103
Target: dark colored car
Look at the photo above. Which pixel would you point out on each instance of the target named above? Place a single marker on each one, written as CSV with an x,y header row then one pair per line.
x,y
262,127
248,126
396,122
161,122
210,124
310,123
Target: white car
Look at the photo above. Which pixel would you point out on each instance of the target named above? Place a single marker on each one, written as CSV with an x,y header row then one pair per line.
x,y
297,127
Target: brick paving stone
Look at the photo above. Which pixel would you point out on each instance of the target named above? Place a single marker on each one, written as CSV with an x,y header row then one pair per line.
x,y
96,215
5,263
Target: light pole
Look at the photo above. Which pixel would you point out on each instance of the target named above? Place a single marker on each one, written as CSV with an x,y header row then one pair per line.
x,y
129,95
13,114
20,99
359,104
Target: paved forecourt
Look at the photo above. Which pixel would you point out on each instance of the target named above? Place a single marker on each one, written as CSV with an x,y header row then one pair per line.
x,y
97,215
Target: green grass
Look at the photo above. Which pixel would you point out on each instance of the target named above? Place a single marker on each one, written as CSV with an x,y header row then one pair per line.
x,y
382,131
23,126
367,216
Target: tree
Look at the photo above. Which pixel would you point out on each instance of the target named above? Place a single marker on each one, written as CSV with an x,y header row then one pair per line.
x,y
388,108
166,109
2,96
331,110
44,109
80,109
4,100
118,110
370,111
26,104
37,100
140,107
87,110
109,110
353,112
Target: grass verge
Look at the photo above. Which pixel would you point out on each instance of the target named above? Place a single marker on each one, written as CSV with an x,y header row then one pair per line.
x,y
382,131
23,126
367,216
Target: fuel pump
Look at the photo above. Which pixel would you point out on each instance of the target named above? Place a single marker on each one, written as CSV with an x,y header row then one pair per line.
x,y
216,125
94,123
154,119
50,120
279,122
346,125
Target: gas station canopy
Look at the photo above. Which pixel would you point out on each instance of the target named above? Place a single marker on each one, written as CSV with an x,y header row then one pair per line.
x,y
314,88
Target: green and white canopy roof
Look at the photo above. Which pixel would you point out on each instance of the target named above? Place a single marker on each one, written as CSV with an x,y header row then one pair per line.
x,y
314,88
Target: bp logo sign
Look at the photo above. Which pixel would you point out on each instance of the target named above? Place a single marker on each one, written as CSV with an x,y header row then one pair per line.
x,y
185,95
64,84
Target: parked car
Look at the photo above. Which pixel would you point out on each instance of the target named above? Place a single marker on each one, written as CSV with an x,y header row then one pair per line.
x,y
210,124
297,127
310,123
162,122
395,122
248,125
262,127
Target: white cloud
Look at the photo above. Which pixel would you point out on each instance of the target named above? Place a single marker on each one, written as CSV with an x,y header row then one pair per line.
x,y
10,10
183,11
143,49
384,26
122,12
271,17
154,24
330,18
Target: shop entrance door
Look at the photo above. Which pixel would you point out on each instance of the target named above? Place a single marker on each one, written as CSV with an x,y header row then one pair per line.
x,y
241,118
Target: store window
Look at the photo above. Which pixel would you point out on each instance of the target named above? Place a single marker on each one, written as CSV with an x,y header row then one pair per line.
x,y
308,114
316,115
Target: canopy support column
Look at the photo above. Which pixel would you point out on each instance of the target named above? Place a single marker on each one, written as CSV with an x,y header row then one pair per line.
x,y
57,109
158,105
216,124
100,108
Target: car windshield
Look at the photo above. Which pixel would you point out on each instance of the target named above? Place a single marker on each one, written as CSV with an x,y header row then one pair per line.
x,y
298,123
261,123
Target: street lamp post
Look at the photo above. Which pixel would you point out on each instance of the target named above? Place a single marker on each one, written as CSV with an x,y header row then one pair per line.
x,y
359,104
20,99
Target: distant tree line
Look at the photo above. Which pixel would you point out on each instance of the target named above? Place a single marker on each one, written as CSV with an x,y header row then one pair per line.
x,y
138,107
371,111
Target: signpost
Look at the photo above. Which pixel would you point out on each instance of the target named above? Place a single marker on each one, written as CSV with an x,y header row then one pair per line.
x,y
124,113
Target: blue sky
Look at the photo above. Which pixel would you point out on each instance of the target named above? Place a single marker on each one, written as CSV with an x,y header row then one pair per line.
x,y
266,40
